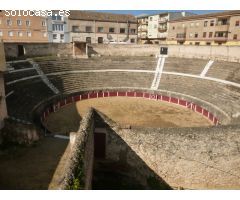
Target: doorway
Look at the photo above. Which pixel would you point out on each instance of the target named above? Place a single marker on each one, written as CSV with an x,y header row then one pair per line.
x,y
20,50
99,145
100,40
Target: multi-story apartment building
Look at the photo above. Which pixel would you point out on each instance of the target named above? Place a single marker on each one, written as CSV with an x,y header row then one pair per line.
x,y
97,27
20,28
58,28
210,29
154,28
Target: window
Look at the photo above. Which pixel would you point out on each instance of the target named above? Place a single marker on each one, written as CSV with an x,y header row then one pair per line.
x,y
20,34
100,29
19,22
235,36
133,31
62,36
122,30
208,43
43,23
196,35
54,36
45,34
210,34
132,40
111,30
205,23
9,22
57,27
88,40
204,34
151,18
56,17
1,33
237,23
221,34
29,34
10,33
212,23
197,43
88,29
75,29
28,23
100,40
173,28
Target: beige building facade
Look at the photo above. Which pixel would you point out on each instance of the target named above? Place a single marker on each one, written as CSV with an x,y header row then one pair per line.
x,y
22,29
154,28
94,27
210,29
3,107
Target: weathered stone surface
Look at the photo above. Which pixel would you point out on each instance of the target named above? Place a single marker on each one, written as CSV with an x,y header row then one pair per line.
x,y
76,164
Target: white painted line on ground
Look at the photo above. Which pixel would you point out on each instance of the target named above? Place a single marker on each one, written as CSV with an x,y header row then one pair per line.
x,y
206,78
62,137
206,68
9,94
79,71
20,70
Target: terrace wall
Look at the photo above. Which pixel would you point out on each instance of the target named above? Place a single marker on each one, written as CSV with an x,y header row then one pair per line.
x,y
225,53
39,49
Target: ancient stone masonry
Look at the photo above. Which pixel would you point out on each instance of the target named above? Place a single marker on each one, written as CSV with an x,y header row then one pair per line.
x,y
191,158
75,168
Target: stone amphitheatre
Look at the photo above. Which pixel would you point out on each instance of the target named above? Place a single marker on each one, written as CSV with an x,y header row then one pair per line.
x,y
121,117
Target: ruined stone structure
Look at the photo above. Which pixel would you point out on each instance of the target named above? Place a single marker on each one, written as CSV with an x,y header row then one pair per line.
x,y
192,77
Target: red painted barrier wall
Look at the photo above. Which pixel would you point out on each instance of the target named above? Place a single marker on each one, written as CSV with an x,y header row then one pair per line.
x,y
158,97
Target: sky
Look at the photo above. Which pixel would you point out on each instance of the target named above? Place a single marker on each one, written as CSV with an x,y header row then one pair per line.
x,y
139,12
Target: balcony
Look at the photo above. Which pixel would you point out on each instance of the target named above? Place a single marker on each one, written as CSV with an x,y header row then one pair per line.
x,y
181,37
162,20
221,27
162,35
220,39
162,29
142,30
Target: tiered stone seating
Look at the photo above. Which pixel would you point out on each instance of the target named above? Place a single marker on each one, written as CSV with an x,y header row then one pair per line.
x,y
57,65
184,65
26,94
69,83
18,75
225,70
220,95
20,65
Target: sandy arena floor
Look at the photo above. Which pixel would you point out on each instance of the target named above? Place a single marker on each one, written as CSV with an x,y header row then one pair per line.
x,y
136,112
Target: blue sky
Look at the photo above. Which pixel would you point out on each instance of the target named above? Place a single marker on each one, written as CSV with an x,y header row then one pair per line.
x,y
138,12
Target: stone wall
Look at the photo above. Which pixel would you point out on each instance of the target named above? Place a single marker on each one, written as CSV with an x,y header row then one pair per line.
x,y
76,165
3,108
225,53
36,49
190,158
19,133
